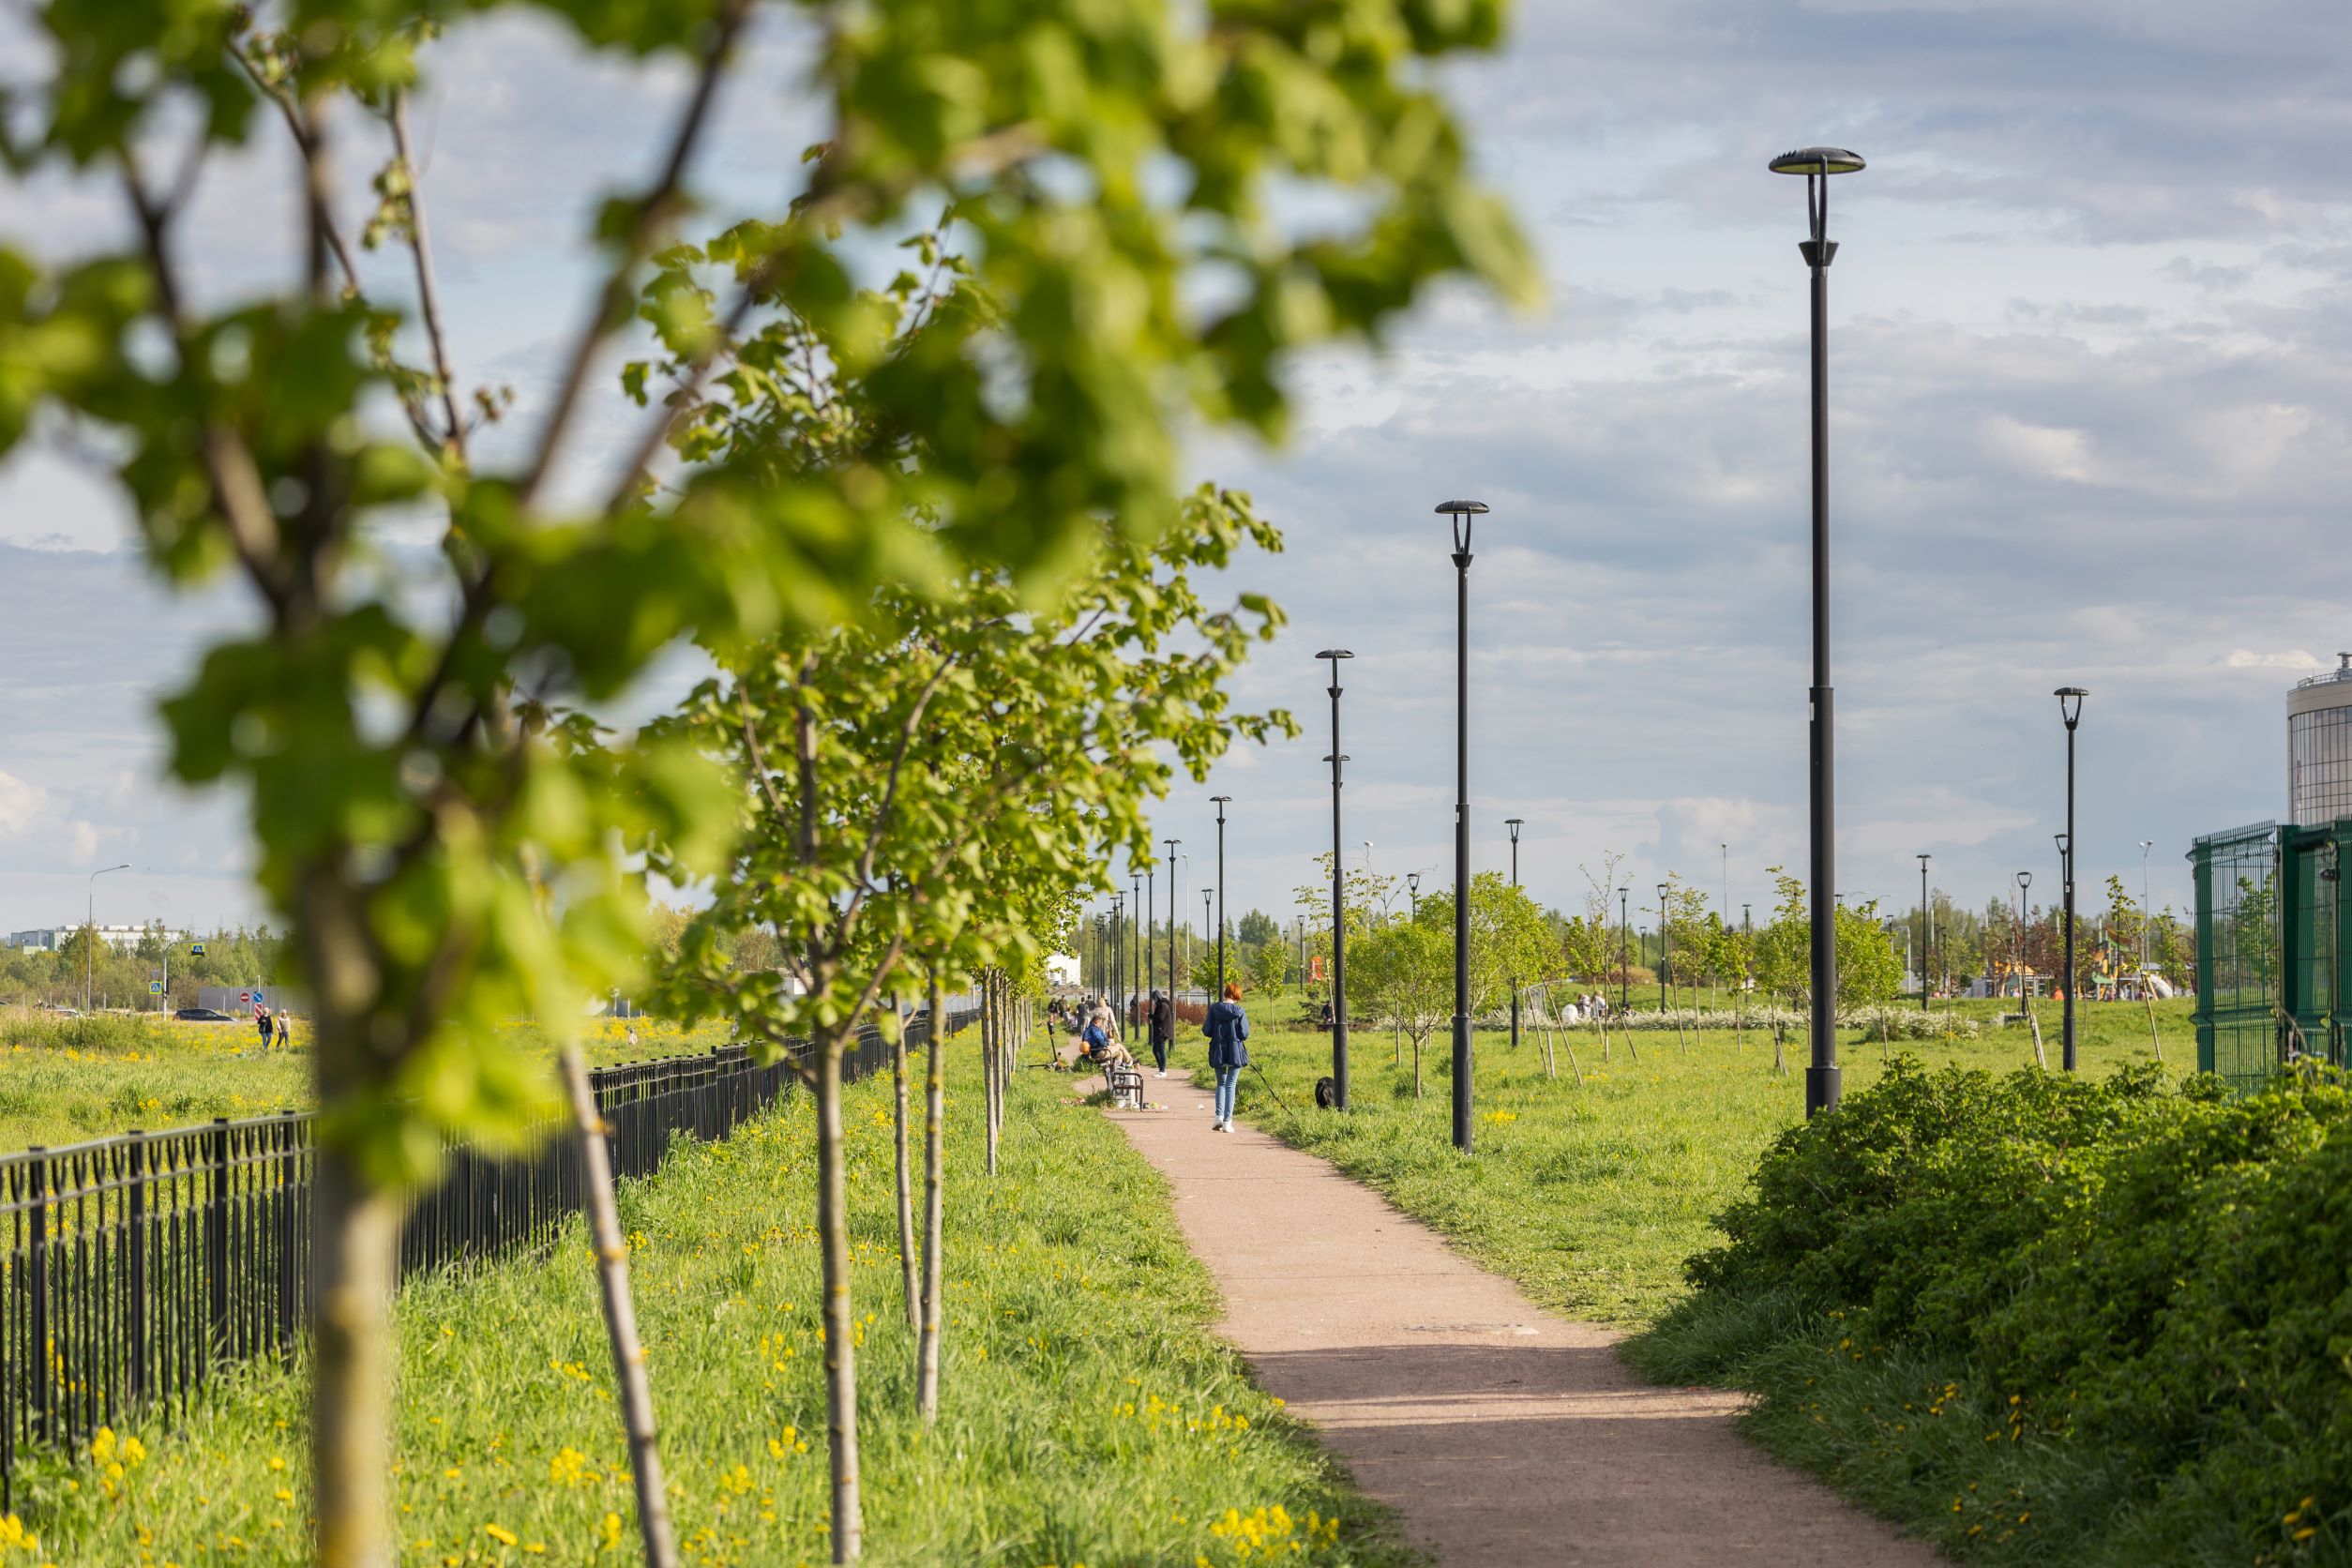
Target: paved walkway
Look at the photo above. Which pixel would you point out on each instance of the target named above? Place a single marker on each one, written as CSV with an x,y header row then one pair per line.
x,y
1504,1435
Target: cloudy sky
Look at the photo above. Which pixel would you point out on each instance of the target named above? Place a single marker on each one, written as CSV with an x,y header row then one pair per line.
x,y
2089,427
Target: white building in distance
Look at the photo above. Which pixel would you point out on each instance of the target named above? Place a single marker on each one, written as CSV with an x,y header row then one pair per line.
x,y
49,939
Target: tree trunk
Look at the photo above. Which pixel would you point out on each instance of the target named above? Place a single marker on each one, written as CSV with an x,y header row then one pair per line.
x,y
620,1319
841,1324
1780,1051
906,1187
358,1244
2154,1039
1416,1066
934,1208
2040,1057
988,1065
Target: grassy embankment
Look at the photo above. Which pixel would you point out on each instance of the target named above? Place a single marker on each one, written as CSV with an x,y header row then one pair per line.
x,y
66,1081
2044,1321
1088,1416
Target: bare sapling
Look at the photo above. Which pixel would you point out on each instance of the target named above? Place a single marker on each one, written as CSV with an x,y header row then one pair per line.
x,y
904,1174
934,1206
620,1318
840,1322
2154,1039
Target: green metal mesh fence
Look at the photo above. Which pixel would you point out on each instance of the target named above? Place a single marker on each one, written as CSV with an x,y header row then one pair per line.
x,y
2238,954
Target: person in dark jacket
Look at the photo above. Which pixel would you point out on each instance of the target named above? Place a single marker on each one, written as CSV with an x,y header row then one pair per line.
x,y
1228,1029
1163,1030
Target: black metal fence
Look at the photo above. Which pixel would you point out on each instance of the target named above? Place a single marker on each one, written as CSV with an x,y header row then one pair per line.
x,y
137,1268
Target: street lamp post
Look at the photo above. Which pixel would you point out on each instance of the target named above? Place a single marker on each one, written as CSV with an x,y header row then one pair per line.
x,y
1222,801
2071,710
1461,515
1151,903
89,931
1172,981
1666,947
1142,943
1822,1084
2024,880
1926,916
1339,900
1624,954
1515,823
2146,845
1207,894
1116,971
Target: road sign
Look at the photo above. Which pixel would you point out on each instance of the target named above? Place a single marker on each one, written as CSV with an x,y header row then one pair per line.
x,y
155,988
259,1001
196,950
245,999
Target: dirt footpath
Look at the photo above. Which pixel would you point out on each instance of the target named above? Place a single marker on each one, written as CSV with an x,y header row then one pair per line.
x,y
1503,1433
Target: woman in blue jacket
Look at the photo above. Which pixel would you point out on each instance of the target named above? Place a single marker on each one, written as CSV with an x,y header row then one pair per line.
x,y
1228,1029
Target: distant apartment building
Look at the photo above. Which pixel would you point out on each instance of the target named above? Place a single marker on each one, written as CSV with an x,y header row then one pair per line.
x,y
49,939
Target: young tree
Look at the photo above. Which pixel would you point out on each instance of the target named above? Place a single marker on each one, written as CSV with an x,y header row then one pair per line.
x,y
909,781
1405,971
449,849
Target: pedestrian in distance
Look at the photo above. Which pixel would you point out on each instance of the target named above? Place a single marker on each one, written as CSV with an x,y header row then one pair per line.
x,y
1228,1029
1163,1029
261,1022
284,1030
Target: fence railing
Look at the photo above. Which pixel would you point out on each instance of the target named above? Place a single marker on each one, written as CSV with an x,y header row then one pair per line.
x,y
137,1268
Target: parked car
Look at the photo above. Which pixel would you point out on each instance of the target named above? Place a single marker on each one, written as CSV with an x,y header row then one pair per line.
x,y
202,1015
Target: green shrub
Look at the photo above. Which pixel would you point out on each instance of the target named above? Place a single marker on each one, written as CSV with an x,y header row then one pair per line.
x,y
2136,1285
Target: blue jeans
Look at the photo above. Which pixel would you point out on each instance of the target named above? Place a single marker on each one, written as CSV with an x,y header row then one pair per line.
x,y
1229,1079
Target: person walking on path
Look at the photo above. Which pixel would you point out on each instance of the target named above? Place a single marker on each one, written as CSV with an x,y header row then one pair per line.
x,y
261,1022
1228,1029
1163,1029
283,1031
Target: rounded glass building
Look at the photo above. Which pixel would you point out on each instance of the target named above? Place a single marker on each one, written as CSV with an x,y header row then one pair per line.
x,y
2319,747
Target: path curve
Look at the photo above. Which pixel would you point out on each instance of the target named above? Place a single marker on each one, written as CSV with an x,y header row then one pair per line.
x,y
1503,1433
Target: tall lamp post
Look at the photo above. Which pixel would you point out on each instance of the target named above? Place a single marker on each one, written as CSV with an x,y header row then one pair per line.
x,y
2071,710
1142,944
1666,947
1117,972
1926,915
1822,1084
1151,903
1207,894
1339,900
1461,515
2146,845
2024,880
1172,981
89,932
1222,802
1515,823
1624,952
1412,893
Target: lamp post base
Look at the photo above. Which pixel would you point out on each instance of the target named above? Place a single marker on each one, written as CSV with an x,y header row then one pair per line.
x,y
1823,1087
1462,1083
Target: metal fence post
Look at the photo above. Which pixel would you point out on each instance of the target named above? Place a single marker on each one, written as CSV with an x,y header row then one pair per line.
x,y
216,1247
36,1348
135,1260
289,1234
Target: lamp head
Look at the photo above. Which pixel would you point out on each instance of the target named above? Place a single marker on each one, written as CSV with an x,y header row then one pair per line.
x,y
2025,880
1515,823
1334,653
2070,704
1412,880
1222,801
1816,164
1460,513
1818,161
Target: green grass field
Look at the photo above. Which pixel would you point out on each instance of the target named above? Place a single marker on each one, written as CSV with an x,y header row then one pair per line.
x,y
66,1081
1088,1416
1590,1196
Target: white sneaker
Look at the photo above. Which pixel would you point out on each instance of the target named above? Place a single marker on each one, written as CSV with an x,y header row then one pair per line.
x,y
1162,1073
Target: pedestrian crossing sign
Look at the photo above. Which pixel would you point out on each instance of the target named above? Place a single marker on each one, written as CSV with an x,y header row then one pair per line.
x,y
155,988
